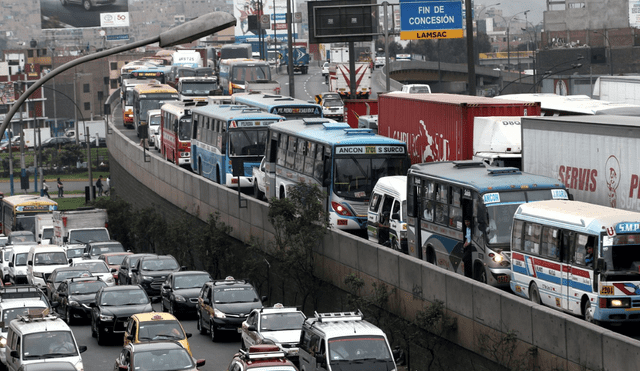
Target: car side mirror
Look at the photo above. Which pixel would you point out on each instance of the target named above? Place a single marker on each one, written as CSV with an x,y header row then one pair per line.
x,y
395,216
14,354
54,305
251,327
166,287
320,359
184,268
265,298
200,363
30,263
134,270
113,270
93,305
188,335
123,367
10,264
130,337
206,301
82,348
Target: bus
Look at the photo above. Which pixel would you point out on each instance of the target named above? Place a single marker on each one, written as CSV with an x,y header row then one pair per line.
x,y
290,108
234,74
19,212
228,141
235,51
147,97
578,258
126,98
563,105
175,132
127,69
155,73
441,196
346,163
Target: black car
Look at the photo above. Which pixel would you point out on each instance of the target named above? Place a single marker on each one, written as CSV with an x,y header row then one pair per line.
x,y
180,291
60,274
225,304
129,262
152,271
94,249
75,296
161,355
54,142
113,307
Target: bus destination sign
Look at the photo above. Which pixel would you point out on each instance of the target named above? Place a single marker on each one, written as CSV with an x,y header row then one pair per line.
x,y
369,150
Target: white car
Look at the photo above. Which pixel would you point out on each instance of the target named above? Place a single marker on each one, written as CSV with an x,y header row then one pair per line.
x,y
416,88
11,309
379,62
97,268
278,325
325,69
6,257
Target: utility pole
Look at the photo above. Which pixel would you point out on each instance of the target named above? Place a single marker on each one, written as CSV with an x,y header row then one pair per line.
x,y
292,89
23,170
471,60
75,99
386,46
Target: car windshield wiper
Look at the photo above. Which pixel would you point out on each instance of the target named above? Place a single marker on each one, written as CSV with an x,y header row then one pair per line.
x,y
56,355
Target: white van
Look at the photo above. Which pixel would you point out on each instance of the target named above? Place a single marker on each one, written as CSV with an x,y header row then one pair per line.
x,y
18,264
41,261
387,214
345,342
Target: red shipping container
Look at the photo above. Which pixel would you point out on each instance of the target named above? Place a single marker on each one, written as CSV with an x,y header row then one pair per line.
x,y
354,108
439,127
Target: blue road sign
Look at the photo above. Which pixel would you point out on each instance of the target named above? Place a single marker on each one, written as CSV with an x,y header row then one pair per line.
x,y
117,37
431,15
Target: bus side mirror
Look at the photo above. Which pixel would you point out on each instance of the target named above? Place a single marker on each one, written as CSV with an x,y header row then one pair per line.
x,y
601,265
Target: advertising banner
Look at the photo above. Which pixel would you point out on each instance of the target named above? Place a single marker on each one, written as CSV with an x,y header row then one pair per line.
x,y
82,14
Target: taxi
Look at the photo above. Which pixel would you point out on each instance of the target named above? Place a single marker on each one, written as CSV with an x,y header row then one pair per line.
x,y
155,327
263,357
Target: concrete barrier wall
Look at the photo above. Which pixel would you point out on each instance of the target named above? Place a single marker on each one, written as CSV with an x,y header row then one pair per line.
x,y
557,341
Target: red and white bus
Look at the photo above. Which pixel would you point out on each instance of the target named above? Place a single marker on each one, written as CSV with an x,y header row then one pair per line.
x,y
175,129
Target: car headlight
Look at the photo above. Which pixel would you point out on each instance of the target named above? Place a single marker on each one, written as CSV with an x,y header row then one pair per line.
x,y
104,317
179,298
109,279
619,303
147,278
38,274
3,342
79,366
73,303
218,314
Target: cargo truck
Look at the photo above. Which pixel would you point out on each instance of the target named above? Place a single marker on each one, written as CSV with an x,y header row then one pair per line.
x,y
339,80
440,127
31,136
96,128
300,60
79,226
596,157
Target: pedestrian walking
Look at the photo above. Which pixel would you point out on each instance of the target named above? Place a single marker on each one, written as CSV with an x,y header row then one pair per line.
x,y
108,190
60,188
45,189
99,186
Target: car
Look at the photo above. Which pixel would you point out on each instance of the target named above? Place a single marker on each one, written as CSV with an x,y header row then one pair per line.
x,y
60,274
97,268
21,292
114,260
416,88
156,357
41,338
129,262
264,357
56,142
21,237
42,260
151,272
154,326
325,69
379,62
17,270
75,252
113,307
277,325
11,309
88,4
74,297
94,249
224,304
179,293
15,146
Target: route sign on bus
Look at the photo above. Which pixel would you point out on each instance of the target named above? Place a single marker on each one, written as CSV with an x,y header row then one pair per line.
x,y
426,20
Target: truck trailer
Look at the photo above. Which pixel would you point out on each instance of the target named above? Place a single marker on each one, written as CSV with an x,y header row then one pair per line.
x,y
340,80
618,89
79,226
440,127
594,156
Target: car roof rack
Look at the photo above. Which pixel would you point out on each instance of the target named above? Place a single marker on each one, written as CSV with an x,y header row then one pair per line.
x,y
338,316
262,351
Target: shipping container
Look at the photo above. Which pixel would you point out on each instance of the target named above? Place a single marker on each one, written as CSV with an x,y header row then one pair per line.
x,y
596,157
354,108
439,127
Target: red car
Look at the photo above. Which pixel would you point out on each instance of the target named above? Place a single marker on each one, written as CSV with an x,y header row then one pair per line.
x,y
114,260
15,146
264,357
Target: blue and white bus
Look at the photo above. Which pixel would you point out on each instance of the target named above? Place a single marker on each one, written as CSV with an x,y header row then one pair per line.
x,y
579,258
442,195
290,108
235,73
346,163
227,141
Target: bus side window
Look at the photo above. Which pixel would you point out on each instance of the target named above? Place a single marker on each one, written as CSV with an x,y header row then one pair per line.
x,y
375,202
532,238
309,158
318,171
516,237
580,250
455,211
282,150
550,243
427,201
442,204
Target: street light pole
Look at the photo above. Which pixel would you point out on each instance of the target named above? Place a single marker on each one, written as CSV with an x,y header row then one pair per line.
x,y
508,38
182,34
604,34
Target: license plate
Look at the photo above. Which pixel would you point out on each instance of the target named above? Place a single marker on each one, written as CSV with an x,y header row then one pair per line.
x,y
503,279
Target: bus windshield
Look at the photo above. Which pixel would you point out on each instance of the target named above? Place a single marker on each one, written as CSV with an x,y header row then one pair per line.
x,y
355,176
154,102
128,97
198,88
184,131
26,223
622,253
247,142
240,74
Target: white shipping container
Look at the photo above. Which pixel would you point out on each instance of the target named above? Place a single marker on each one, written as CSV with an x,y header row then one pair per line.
x,y
596,157
618,89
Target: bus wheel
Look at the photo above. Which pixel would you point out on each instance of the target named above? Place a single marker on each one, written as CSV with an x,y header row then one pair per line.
x,y
534,294
480,273
587,311
394,244
200,167
282,195
217,176
431,256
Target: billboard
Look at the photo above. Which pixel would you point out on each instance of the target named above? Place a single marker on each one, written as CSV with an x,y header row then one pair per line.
x,y
82,13
634,13
277,11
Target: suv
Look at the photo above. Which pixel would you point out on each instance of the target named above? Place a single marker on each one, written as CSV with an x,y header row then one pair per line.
x,y
379,62
11,309
151,272
41,339
179,292
94,249
18,264
225,304
129,262
42,260
334,339
278,325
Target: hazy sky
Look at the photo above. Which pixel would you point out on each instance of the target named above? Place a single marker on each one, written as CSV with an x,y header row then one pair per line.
x,y
511,7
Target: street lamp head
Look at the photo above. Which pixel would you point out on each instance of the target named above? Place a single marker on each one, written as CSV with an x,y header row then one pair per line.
x,y
202,26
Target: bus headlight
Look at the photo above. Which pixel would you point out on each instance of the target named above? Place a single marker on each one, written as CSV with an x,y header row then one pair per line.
x,y
619,303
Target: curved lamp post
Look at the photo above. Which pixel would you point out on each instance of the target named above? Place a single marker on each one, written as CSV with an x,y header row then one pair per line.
x,y
610,51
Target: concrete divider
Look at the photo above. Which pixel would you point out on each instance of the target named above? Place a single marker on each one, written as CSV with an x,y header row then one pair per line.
x,y
555,340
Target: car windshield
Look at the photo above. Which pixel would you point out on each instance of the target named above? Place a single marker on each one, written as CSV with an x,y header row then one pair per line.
x,y
333,103
48,344
13,313
281,321
50,258
95,267
358,348
160,330
235,295
115,259
123,297
75,252
88,235
63,275
97,250
163,360
198,88
159,264
85,288
21,259
190,281
47,233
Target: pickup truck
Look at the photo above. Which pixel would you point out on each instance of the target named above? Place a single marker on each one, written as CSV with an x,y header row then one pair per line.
x,y
259,181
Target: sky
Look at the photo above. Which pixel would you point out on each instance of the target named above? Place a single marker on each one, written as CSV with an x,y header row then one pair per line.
x,y
511,7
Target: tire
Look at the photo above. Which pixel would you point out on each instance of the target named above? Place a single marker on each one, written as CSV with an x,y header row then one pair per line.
x,y
534,293
93,329
212,331
172,310
100,336
256,192
68,317
480,274
431,256
200,325
587,312
86,4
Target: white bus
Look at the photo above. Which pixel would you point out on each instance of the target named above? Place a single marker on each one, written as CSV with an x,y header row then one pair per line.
x,y
579,258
